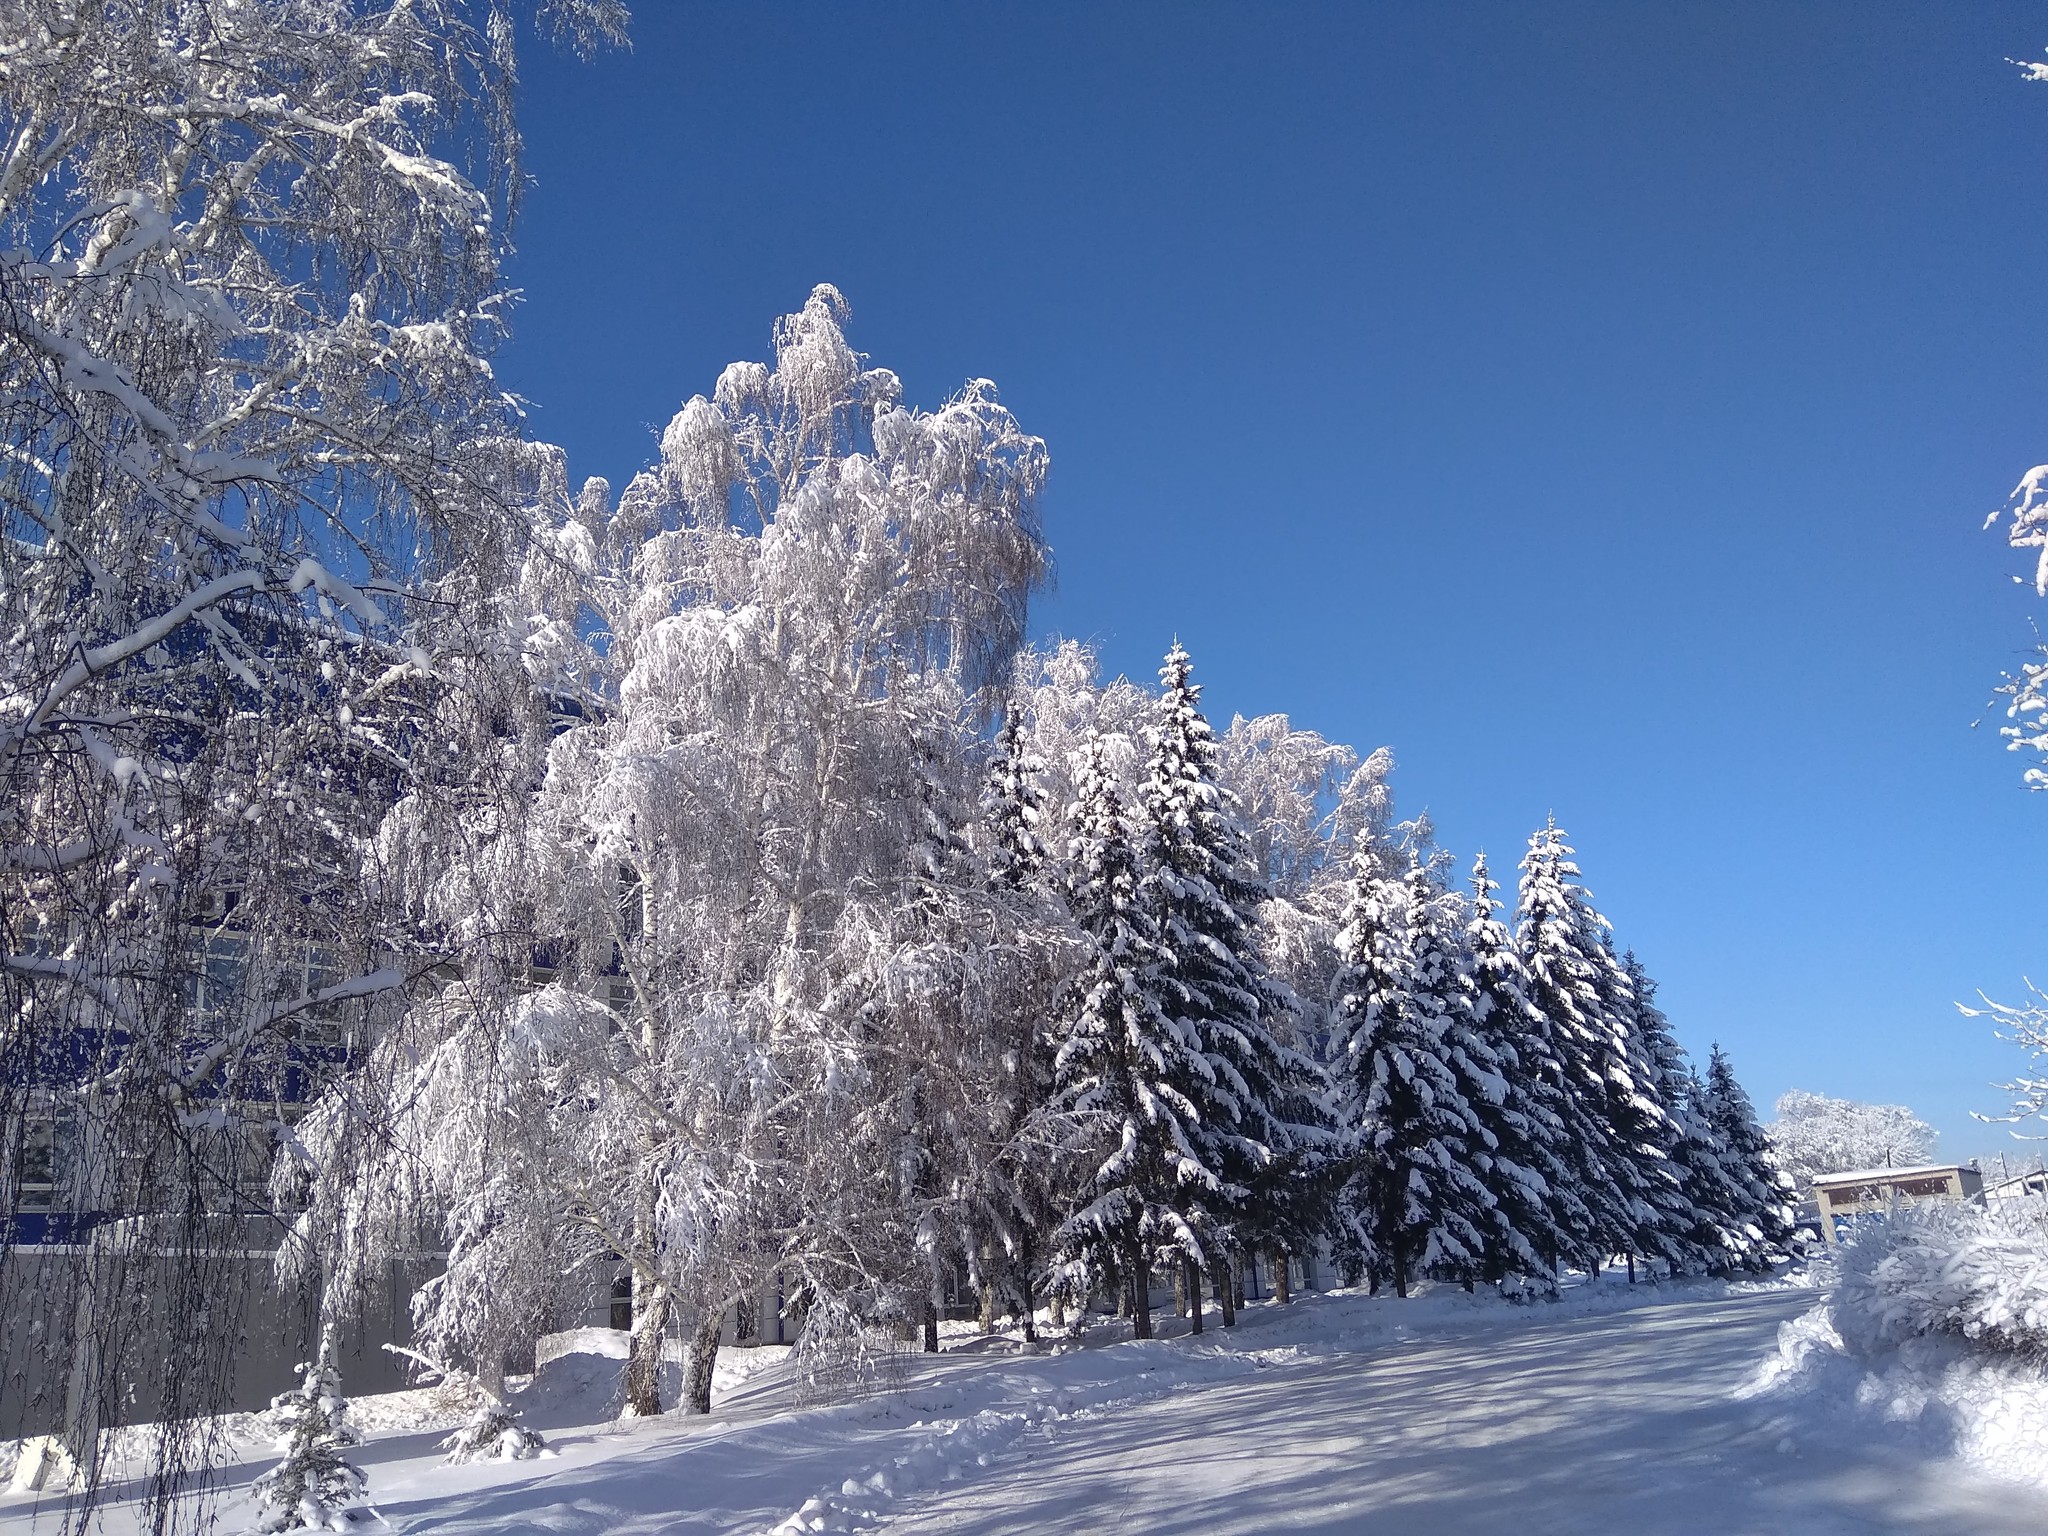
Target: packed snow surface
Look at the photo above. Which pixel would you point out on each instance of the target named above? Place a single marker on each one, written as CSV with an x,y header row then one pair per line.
x,y
1616,1409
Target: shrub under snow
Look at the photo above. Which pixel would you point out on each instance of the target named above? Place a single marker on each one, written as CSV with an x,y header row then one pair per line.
x,y
493,1433
1963,1270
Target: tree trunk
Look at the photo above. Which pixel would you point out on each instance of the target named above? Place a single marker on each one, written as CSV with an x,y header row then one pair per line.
x,y
490,1373
1225,1285
931,1326
1141,1289
1631,1268
988,1306
1239,1262
1191,1282
1057,1304
703,1360
1030,1306
1282,1281
1401,1274
651,1300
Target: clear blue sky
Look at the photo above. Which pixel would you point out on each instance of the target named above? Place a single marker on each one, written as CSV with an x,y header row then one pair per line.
x,y
1596,403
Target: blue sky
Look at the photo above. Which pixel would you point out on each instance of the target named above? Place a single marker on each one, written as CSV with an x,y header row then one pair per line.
x,y
1598,404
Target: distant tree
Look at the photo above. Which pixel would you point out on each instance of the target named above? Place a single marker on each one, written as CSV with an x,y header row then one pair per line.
x,y
1770,1216
1666,1221
1013,806
1814,1134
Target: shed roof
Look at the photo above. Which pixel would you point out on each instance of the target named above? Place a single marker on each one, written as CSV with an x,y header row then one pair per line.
x,y
1886,1175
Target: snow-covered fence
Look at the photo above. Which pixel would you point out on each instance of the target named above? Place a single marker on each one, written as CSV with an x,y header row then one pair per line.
x,y
138,1269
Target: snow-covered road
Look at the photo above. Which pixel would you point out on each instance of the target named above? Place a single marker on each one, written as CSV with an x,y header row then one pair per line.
x,y
1624,1422
1617,1410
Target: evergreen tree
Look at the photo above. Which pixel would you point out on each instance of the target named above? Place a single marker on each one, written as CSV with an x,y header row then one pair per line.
x,y
1413,1202
1725,1235
1535,1203
492,1433
1125,1067
1556,935
1259,1126
1680,1180
1013,807
1646,1135
315,1487
1747,1154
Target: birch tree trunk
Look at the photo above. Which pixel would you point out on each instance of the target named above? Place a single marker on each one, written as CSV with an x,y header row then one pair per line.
x,y
652,1300
703,1360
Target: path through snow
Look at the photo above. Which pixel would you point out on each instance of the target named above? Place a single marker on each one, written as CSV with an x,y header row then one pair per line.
x,y
1622,1422
1439,1417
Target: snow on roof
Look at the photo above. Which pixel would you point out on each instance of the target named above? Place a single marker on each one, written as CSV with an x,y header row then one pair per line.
x,y
1881,1175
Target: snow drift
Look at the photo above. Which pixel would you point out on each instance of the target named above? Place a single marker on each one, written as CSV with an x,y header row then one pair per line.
x,y
1937,1325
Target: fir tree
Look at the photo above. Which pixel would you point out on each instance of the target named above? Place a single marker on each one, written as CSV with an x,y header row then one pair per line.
x,y
1556,936
1013,806
1724,1236
492,1433
1647,1137
1413,1201
1535,1204
1259,1126
1125,1067
1681,1181
314,1487
1747,1154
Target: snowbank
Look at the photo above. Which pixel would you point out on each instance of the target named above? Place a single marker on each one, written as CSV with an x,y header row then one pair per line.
x,y
1936,1328
581,1375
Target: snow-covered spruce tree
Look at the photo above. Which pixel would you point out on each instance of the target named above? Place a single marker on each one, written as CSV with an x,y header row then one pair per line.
x,y
252,464
1770,1208
1126,1068
1414,1203
1013,806
1639,1116
1560,940
314,1487
1536,1206
1723,1237
1696,1225
492,1433
1258,1127
725,863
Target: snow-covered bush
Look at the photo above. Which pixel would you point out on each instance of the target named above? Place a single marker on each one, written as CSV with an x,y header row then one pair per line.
x,y
493,1433
1947,1269
315,1487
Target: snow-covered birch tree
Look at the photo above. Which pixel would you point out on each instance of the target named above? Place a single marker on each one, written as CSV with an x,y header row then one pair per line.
x,y
253,462
740,864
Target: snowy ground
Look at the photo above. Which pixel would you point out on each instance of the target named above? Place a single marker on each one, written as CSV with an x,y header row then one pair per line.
x,y
1614,1410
